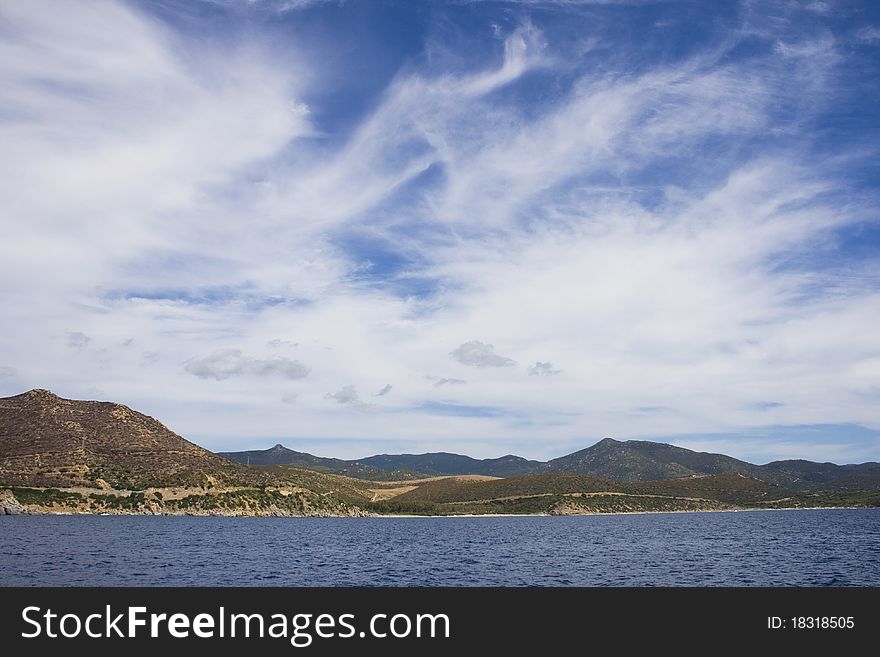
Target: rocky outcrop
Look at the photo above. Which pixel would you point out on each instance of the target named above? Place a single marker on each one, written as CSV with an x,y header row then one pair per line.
x,y
235,502
9,506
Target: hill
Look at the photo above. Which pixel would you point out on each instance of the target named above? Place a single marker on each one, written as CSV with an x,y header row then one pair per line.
x,y
733,489
571,494
443,463
807,475
640,460
49,441
72,456
281,455
451,489
390,466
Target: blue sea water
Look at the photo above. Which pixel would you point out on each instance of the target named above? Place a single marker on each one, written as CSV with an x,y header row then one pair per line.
x,y
838,547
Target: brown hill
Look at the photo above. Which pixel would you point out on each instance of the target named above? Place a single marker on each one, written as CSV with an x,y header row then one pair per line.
x,y
732,489
49,441
454,489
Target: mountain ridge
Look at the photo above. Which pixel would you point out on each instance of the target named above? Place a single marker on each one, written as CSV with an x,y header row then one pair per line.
x,y
626,461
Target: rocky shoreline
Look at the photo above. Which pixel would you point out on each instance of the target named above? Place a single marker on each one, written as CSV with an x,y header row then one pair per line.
x,y
74,503
9,506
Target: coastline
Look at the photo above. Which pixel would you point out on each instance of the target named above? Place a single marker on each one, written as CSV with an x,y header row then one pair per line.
x,y
298,503
625,513
39,513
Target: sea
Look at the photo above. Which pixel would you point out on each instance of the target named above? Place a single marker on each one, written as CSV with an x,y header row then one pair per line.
x,y
839,547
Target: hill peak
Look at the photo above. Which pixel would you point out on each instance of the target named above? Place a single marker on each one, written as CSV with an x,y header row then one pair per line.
x,y
41,393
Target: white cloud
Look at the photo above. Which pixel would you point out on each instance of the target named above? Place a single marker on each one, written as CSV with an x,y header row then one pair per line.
x,y
384,391
6,371
226,363
818,7
444,381
345,395
77,340
816,48
480,354
544,368
522,51
127,129
869,34
278,343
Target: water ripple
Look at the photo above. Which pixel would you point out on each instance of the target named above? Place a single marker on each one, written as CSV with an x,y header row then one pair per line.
x,y
838,547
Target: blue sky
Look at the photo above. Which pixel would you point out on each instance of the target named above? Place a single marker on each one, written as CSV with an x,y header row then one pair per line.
x,y
481,227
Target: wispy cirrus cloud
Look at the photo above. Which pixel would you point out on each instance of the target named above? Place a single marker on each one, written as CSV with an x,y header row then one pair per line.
x,y
868,33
